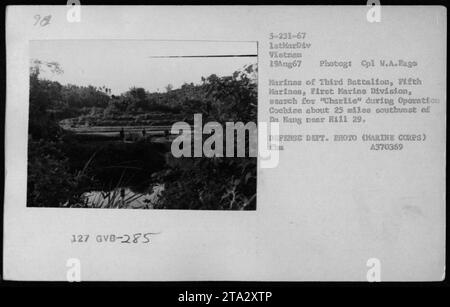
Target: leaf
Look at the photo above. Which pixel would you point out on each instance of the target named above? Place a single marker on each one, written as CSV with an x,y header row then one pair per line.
x,y
248,176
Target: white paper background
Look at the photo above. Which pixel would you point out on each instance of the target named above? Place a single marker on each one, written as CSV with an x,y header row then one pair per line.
x,y
321,214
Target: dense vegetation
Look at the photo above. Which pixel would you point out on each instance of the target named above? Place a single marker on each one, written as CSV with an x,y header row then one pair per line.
x,y
63,166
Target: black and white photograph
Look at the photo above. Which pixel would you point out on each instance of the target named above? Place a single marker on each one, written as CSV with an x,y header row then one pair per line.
x,y
101,115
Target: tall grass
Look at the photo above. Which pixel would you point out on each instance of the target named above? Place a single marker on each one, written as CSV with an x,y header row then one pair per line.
x,y
116,198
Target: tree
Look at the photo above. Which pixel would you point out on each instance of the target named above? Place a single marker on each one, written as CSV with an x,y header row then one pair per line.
x,y
214,183
169,88
137,93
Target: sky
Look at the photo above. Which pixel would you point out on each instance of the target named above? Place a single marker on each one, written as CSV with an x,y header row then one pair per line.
x,y
121,64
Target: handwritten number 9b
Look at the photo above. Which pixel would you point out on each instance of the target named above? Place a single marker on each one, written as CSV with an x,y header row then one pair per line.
x,y
42,21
